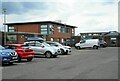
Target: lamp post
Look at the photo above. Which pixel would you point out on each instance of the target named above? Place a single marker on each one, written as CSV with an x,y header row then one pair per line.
x,y
4,13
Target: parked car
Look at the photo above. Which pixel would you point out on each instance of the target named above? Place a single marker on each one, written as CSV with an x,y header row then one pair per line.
x,y
57,48
102,43
42,49
7,56
64,49
89,43
23,51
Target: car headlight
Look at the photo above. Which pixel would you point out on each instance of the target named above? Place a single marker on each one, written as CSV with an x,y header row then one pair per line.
x,y
15,53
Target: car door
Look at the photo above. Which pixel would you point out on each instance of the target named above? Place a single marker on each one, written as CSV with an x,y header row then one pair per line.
x,y
39,48
33,47
83,44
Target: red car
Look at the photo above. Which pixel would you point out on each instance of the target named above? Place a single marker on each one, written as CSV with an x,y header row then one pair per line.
x,y
22,50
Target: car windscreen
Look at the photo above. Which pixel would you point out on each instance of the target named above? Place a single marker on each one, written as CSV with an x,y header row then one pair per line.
x,y
25,46
58,44
44,43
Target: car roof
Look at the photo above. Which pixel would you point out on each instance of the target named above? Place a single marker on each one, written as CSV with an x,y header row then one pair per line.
x,y
15,44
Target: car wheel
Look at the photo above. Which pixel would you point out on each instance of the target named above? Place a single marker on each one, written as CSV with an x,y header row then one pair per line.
x,y
101,45
95,47
48,54
78,47
66,52
62,51
30,59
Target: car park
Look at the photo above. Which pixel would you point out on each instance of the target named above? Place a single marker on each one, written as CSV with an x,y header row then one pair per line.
x,y
89,43
7,56
23,51
42,49
64,49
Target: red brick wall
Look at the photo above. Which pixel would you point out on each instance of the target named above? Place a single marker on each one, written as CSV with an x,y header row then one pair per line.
x,y
33,28
60,35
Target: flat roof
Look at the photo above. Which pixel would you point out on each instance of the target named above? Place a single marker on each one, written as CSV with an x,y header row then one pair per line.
x,y
53,22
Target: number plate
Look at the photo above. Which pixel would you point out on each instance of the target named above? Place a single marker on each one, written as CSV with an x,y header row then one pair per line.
x,y
14,57
30,55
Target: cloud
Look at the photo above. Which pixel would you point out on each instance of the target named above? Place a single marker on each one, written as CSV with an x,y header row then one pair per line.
x,y
87,15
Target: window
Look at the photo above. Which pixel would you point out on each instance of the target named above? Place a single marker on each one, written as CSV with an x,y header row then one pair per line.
x,y
59,28
63,30
73,32
67,30
59,40
44,29
82,41
11,29
51,29
52,39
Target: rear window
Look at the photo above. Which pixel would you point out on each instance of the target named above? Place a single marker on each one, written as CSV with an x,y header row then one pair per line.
x,y
25,46
10,47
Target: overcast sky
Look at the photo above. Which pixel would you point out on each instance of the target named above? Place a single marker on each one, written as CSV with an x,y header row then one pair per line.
x,y
87,15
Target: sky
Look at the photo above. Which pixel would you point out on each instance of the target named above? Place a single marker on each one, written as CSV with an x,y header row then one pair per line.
x,y
87,15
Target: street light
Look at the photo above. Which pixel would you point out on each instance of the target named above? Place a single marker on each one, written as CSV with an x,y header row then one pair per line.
x,y
4,13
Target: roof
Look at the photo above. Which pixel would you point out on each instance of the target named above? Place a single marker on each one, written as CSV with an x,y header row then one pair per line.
x,y
15,44
53,22
112,33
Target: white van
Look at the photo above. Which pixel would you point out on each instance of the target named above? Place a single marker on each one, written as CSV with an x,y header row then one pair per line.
x,y
89,43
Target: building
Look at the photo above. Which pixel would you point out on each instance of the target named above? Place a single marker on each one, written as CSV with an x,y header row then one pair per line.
x,y
112,37
49,30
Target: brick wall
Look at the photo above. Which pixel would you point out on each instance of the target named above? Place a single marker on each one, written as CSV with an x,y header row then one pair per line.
x,y
60,35
33,28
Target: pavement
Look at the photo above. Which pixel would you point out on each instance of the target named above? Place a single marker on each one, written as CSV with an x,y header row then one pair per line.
x,y
80,64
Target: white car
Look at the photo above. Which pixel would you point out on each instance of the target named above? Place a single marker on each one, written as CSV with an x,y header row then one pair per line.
x,y
42,49
64,49
89,43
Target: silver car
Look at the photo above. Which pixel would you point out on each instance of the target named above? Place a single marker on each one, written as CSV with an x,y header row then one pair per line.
x,y
42,49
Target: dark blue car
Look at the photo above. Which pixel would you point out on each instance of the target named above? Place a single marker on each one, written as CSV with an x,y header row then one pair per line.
x,y
7,56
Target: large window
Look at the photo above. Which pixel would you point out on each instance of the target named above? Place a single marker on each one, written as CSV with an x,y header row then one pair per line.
x,y
11,29
12,38
59,29
63,29
51,29
67,30
73,32
44,29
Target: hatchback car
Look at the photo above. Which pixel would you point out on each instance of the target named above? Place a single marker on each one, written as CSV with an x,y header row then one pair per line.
x,y
7,56
42,49
23,51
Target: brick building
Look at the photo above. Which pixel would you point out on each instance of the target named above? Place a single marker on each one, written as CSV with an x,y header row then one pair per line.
x,y
49,30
